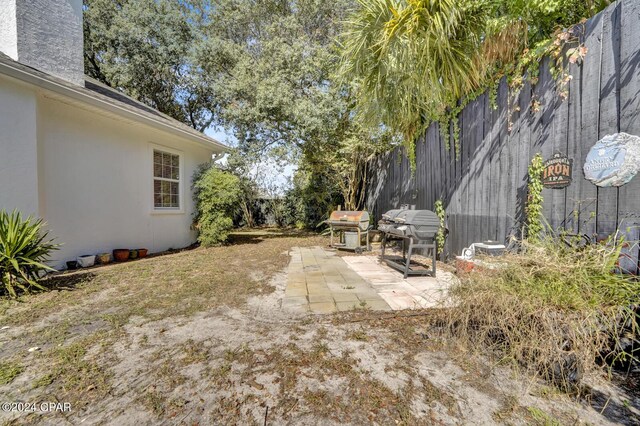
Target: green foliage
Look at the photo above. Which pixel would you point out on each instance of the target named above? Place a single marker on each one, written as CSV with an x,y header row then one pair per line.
x,y
9,371
24,250
264,70
411,59
347,160
533,208
269,64
418,61
216,194
312,198
146,49
553,308
440,236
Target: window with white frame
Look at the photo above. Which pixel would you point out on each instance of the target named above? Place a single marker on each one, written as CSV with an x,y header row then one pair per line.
x,y
166,180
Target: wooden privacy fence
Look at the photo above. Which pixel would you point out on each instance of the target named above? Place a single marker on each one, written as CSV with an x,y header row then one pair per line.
x,y
484,190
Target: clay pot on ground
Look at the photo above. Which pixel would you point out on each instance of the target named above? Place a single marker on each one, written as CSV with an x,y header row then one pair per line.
x,y
133,254
142,253
86,260
103,258
120,255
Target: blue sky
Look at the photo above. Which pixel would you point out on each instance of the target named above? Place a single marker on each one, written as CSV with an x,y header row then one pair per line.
x,y
281,177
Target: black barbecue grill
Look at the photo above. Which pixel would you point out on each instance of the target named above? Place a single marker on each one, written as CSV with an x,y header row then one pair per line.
x,y
416,229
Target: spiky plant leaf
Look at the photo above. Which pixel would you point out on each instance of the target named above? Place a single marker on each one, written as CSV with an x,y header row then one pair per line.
x,y
24,251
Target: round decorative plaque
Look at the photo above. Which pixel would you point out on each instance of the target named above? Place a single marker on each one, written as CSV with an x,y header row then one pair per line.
x,y
614,160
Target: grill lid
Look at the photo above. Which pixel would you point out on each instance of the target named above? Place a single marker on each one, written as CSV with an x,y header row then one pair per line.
x,y
391,214
343,216
418,218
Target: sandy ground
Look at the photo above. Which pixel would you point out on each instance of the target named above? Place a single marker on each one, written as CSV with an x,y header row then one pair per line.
x,y
252,362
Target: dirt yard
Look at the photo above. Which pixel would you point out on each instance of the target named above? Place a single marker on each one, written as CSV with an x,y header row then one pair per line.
x,y
199,337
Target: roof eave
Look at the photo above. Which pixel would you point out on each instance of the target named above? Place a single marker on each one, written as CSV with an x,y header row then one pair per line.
x,y
79,95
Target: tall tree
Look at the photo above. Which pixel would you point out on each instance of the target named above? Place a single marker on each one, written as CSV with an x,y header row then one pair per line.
x,y
265,70
269,63
145,49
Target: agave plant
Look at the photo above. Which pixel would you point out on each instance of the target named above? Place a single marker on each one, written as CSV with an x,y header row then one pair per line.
x,y
24,249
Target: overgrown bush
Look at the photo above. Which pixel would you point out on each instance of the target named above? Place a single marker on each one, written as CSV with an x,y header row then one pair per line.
x,y
24,250
217,194
558,310
311,200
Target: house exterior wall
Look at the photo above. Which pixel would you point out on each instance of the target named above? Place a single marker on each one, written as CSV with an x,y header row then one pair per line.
x,y
18,148
96,182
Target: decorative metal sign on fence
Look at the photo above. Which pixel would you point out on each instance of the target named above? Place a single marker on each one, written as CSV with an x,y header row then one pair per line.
x,y
557,171
614,160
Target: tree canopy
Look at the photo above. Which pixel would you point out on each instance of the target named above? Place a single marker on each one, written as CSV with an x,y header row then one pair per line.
x,y
145,49
264,70
415,58
327,85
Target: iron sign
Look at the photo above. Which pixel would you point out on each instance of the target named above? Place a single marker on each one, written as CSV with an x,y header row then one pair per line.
x,y
557,171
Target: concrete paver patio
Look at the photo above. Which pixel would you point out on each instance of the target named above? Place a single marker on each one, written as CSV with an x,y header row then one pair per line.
x,y
320,281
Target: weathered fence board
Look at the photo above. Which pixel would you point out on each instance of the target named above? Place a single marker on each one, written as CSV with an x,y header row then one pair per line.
x,y
484,188
590,94
609,119
629,194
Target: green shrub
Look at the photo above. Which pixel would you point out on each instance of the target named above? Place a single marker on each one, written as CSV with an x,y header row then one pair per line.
x,y
216,194
23,252
554,309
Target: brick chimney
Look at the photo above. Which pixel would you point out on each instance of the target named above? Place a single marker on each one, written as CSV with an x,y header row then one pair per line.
x,y
44,34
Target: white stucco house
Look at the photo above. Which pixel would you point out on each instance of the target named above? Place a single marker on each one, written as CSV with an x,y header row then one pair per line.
x,y
103,170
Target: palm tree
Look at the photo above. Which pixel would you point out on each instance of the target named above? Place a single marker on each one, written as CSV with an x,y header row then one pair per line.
x,y
414,58
411,57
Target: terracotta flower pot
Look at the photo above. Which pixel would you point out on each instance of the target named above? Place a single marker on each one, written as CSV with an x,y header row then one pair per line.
x,y
120,255
103,258
142,253
133,254
464,266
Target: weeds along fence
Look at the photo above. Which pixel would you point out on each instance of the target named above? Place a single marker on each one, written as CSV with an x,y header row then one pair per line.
x,y
485,188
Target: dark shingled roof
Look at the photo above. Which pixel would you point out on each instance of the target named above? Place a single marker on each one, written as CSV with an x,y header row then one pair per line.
x,y
99,91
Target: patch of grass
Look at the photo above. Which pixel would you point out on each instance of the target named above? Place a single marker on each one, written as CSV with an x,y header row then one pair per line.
x,y
360,335
508,408
169,374
9,370
434,394
155,401
73,377
553,309
43,381
374,401
242,354
541,418
181,283
194,352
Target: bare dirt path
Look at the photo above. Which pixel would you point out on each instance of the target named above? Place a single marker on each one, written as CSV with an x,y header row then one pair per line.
x,y
200,337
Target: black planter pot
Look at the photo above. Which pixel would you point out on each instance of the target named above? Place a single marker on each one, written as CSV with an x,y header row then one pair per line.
x,y
72,265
